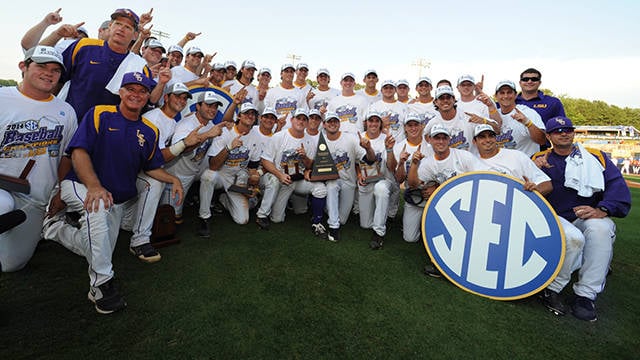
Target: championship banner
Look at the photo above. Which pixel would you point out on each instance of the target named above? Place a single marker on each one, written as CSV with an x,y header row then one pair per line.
x,y
491,237
195,91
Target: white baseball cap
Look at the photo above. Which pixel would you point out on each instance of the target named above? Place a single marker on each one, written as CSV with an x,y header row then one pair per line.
x,y
154,44
264,70
439,129
301,111
194,50
287,66
177,48
246,107
373,113
387,82
323,71
178,88
347,74
442,90
315,112
209,97
424,78
330,115
230,63
482,127
269,111
508,83
466,77
302,65
249,64
402,82
218,66
44,54
370,71
412,117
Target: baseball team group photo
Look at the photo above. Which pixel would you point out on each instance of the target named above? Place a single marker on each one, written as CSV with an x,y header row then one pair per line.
x,y
230,208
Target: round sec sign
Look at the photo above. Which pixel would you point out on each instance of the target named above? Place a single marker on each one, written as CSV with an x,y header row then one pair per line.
x,y
491,237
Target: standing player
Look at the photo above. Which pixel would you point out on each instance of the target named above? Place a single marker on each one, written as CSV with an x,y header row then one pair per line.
x,y
369,91
350,107
323,93
243,81
423,104
268,182
402,90
391,110
33,125
285,97
347,150
375,181
289,155
302,71
104,189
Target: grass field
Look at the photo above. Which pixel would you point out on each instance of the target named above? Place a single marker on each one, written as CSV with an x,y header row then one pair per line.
x,y
282,293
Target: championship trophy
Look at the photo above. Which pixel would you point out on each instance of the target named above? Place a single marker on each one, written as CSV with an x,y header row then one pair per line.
x,y
323,165
371,173
18,184
241,183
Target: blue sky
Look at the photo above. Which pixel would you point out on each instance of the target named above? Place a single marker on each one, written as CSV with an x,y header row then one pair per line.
x,y
585,49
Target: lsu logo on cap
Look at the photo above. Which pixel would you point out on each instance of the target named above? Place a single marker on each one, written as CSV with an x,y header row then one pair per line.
x,y
492,238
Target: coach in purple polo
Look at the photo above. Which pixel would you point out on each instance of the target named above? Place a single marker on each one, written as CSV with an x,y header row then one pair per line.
x,y
112,145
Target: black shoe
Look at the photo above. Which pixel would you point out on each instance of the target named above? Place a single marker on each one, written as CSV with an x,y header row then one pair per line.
x,y
432,270
334,235
376,241
145,252
263,223
584,309
551,300
203,228
106,298
217,208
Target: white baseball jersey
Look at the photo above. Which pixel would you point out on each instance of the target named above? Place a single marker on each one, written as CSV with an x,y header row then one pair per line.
x,y
166,126
351,110
474,106
346,152
370,98
33,129
285,101
396,112
459,127
515,135
252,92
181,74
426,111
380,150
517,164
406,145
194,161
322,98
304,89
238,157
282,151
458,162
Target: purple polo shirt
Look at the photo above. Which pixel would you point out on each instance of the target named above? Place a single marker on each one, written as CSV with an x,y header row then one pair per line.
x,y
119,149
547,106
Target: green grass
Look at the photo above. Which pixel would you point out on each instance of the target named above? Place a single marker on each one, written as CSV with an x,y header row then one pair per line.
x,y
282,293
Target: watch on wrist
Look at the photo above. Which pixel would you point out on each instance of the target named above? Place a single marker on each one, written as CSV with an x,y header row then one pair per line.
x,y
603,208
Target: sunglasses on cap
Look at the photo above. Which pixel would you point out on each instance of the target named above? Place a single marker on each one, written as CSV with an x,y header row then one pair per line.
x,y
562,130
527,79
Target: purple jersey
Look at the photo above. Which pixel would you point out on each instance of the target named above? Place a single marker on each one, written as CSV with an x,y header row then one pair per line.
x,y
547,106
119,149
90,66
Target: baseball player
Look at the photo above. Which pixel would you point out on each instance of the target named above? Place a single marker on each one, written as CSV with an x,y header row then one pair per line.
x,y
243,81
323,93
33,125
475,102
228,160
149,189
346,150
423,104
585,205
302,71
289,155
402,91
190,164
369,91
522,127
391,110
103,189
268,182
375,181
350,107
426,173
285,97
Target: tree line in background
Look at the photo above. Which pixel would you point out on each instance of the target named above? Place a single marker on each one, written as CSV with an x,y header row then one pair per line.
x,y
581,111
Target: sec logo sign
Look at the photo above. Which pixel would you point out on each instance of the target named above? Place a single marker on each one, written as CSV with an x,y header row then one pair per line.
x,y
491,237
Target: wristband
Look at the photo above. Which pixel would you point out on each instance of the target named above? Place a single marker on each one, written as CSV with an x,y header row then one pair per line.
x,y
491,112
389,150
177,148
260,172
485,120
528,124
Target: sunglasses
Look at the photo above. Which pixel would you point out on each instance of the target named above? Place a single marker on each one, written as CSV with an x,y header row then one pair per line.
x,y
527,79
562,130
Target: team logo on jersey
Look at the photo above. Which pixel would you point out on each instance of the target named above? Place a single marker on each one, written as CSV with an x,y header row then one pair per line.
x,y
394,120
29,139
505,139
347,113
341,159
238,156
458,140
286,105
141,139
491,237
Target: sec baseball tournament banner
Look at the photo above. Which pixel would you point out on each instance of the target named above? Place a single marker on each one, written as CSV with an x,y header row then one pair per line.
x,y
491,237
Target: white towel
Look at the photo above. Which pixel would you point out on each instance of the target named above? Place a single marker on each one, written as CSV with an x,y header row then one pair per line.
x,y
583,172
130,63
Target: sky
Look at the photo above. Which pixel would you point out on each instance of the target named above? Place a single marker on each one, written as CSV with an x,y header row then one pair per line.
x,y
584,49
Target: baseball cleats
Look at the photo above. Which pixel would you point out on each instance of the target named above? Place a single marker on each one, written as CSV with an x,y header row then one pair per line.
x,y
432,270
319,230
263,223
584,309
376,241
145,252
334,235
106,298
203,228
551,300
